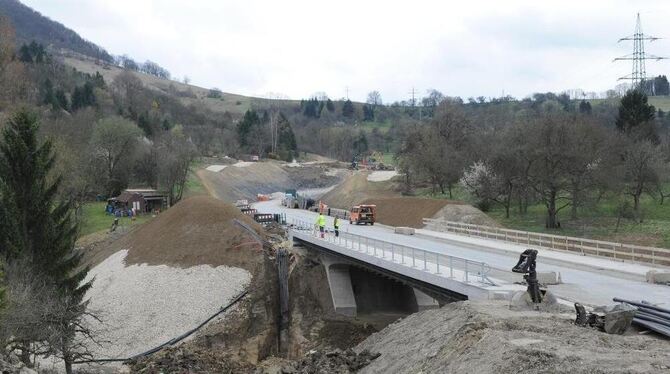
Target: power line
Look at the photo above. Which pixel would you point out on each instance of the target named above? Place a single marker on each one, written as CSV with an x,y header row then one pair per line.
x,y
639,56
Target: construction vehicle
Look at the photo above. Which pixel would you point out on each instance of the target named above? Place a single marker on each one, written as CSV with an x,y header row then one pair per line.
x,y
526,265
363,214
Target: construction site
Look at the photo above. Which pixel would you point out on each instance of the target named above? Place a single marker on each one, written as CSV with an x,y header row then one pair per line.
x,y
210,287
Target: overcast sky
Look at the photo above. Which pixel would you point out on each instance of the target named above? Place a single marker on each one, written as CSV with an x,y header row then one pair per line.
x,y
465,48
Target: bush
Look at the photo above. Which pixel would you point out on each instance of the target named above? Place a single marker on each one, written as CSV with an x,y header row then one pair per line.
x,y
484,205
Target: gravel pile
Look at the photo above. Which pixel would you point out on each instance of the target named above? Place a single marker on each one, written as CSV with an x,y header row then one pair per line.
x,y
142,306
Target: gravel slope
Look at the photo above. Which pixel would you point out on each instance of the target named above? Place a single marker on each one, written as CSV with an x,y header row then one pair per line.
x,y
143,306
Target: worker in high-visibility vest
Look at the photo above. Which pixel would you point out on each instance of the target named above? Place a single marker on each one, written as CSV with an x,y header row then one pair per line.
x,y
336,225
321,221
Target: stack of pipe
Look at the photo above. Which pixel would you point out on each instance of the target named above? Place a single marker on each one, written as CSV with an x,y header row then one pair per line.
x,y
650,316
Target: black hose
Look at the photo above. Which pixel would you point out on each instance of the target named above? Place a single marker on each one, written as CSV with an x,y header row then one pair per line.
x,y
648,306
653,326
172,341
649,317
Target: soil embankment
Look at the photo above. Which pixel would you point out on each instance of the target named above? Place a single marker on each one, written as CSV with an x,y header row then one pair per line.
x,y
245,180
486,337
393,209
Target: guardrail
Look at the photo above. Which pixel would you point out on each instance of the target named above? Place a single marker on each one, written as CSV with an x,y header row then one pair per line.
x,y
437,263
591,247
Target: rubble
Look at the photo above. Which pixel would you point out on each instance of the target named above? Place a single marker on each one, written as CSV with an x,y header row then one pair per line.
x,y
336,361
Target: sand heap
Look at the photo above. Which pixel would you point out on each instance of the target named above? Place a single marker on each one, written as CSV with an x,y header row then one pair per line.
x,y
197,231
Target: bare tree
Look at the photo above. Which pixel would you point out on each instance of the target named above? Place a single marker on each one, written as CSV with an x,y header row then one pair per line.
x,y
374,98
175,155
113,144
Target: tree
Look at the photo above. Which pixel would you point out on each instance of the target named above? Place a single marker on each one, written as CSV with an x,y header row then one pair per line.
x,y
374,99
549,137
368,113
585,107
175,155
636,116
83,96
661,86
40,230
348,109
641,165
330,106
246,125
113,142
286,143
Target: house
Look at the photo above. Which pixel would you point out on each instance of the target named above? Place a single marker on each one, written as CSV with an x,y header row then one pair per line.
x,y
142,200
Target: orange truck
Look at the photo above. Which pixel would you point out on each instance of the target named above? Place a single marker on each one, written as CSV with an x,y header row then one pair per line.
x,y
363,214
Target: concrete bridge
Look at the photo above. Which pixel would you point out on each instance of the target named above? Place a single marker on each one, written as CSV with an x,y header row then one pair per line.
x,y
357,265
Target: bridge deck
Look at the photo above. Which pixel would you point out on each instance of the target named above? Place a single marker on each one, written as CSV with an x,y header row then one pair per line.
x,y
452,274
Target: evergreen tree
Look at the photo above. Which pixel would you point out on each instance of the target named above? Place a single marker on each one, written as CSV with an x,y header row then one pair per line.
x,y
62,99
636,116
38,229
48,95
286,139
585,107
368,112
245,125
330,106
348,109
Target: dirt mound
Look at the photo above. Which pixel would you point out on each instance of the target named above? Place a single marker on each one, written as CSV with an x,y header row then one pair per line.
x,y
405,211
336,361
466,214
196,231
355,189
178,360
487,337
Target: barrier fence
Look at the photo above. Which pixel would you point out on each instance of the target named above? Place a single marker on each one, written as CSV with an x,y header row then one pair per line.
x,y
436,263
590,247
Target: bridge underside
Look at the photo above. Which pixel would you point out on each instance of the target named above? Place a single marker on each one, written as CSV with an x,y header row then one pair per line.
x,y
358,287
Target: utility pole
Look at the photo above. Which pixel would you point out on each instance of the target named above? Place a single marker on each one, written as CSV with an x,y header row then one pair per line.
x,y
639,56
413,93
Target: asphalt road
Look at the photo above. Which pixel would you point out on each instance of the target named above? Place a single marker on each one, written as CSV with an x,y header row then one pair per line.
x,y
587,286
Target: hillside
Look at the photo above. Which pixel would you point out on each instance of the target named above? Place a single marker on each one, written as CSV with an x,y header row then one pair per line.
x,y
31,25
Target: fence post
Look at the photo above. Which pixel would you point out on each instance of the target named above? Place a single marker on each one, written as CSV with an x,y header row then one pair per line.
x,y
425,263
413,260
392,254
437,262
466,271
402,254
451,267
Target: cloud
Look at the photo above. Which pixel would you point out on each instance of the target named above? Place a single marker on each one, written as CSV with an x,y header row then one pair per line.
x,y
474,48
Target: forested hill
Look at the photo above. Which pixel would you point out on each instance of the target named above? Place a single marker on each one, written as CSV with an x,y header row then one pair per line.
x,y
31,25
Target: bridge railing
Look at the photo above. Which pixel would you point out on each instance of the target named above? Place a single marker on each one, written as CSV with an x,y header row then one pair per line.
x,y
583,246
436,263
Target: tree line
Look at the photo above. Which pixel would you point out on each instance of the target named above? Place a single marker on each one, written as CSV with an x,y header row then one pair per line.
x,y
548,152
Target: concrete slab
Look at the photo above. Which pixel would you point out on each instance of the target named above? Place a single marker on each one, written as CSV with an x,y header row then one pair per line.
x,y
339,282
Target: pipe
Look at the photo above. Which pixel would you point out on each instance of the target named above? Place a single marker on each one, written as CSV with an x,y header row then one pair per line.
x,y
654,313
648,306
650,318
653,326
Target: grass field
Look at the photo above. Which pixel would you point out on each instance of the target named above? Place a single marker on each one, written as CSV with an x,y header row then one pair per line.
x,y
597,222
94,218
660,102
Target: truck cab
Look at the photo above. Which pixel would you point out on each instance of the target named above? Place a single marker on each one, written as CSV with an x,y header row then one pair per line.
x,y
363,214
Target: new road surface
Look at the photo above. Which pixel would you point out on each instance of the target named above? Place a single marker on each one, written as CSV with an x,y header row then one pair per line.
x,y
588,280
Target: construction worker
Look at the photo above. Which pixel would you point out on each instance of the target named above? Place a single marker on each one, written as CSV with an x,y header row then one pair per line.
x,y
321,221
336,225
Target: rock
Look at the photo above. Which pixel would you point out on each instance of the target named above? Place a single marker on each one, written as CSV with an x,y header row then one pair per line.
x,y
404,230
617,318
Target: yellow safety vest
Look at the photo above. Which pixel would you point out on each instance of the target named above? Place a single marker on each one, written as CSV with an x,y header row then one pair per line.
x,y
321,220
336,223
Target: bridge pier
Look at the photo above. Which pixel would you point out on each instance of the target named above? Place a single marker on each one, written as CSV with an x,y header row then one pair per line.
x,y
375,292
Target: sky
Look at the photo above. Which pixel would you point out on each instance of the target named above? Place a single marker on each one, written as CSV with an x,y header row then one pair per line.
x,y
300,47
